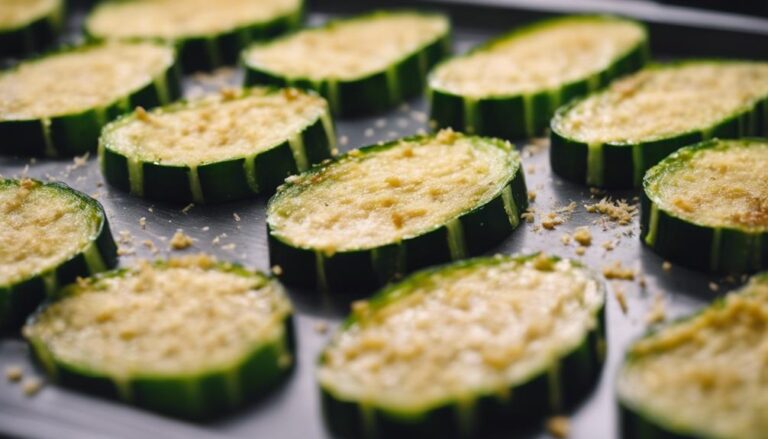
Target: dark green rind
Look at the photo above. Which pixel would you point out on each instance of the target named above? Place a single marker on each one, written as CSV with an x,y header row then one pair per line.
x,y
364,270
207,52
220,181
19,299
619,161
369,94
504,116
481,415
33,36
198,396
696,246
74,134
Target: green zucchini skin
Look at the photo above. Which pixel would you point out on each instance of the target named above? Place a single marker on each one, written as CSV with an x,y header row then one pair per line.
x,y
208,52
367,269
74,134
19,299
199,396
571,377
369,94
504,116
622,165
33,36
700,247
221,181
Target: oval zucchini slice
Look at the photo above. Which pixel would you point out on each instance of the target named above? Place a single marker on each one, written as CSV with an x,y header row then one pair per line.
x,y
462,350
376,213
188,337
365,64
27,26
511,86
706,206
701,377
223,147
50,234
56,105
609,139
206,36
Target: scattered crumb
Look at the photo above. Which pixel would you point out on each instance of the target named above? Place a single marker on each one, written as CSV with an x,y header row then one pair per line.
x,y
581,250
143,222
618,271
618,211
565,239
531,195
380,123
583,236
180,240
368,132
236,217
551,220
187,208
559,426
621,298
343,140
31,386
609,245
531,169
713,286
149,245
543,262
277,270
205,229
14,373
641,281
150,210
666,266
321,327
658,313
229,247
529,215
122,251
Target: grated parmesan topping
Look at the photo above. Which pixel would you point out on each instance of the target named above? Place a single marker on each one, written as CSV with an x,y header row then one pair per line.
x,y
467,330
707,374
17,13
375,198
664,101
183,318
171,19
538,59
349,49
217,128
40,227
722,186
78,80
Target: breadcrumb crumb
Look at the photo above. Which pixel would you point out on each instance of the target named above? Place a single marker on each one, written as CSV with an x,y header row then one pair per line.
x,y
666,266
180,240
618,211
321,327
618,271
14,373
31,386
621,298
559,426
583,236
658,312
277,270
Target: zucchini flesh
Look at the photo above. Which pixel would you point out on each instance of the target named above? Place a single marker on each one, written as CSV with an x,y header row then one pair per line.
x,y
50,235
610,138
511,86
188,337
206,37
56,105
364,64
220,148
701,377
27,26
465,349
706,206
376,213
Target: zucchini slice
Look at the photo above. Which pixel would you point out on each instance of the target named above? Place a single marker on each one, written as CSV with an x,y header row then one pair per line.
x,y
50,234
609,139
701,377
206,35
223,147
511,86
56,105
364,64
376,213
706,206
27,26
188,337
481,345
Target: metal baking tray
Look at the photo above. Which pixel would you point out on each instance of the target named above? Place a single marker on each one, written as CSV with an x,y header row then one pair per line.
x,y
293,411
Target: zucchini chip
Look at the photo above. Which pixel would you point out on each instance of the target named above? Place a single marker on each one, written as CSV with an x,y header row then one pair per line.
x,y
27,26
365,64
56,105
223,147
511,86
376,213
462,350
50,234
706,206
610,138
188,337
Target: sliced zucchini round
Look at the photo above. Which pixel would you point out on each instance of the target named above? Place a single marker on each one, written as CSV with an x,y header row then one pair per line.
x,y
27,26
457,351
511,86
56,105
609,139
206,35
50,234
223,147
706,206
701,377
188,337
363,64
376,213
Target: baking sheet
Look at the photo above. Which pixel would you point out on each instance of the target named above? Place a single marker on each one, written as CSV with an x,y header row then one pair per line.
x,y
237,232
